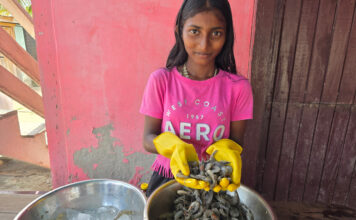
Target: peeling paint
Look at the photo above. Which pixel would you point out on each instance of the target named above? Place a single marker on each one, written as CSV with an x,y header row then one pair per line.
x,y
110,161
137,177
68,131
70,178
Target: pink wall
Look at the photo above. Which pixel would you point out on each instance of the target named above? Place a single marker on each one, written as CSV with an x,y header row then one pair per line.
x,y
31,148
95,58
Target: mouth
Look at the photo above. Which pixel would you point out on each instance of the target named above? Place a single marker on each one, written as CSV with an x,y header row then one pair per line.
x,y
203,55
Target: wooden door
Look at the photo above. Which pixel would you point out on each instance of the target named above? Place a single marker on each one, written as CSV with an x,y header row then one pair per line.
x,y
301,144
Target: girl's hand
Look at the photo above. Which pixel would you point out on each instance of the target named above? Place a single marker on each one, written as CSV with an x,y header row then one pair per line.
x,y
179,152
230,151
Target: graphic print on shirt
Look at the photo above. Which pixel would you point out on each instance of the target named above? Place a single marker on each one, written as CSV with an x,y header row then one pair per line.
x,y
187,118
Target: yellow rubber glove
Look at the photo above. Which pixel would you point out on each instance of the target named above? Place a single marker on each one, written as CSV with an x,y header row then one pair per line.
x,y
230,151
169,145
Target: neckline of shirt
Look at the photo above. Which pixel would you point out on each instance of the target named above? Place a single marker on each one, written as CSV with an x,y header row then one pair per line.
x,y
196,82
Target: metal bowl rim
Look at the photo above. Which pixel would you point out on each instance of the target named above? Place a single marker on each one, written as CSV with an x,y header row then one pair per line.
x,y
27,207
268,207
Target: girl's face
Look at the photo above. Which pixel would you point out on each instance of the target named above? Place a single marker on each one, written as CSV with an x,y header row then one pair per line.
x,y
204,36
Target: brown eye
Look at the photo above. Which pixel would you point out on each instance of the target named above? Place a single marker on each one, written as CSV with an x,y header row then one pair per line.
x,y
217,33
194,31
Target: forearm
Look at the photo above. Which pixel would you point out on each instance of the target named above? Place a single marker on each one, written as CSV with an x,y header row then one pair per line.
x,y
239,140
237,131
152,129
148,143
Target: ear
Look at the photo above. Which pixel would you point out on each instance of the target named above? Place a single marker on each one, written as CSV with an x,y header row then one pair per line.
x,y
176,29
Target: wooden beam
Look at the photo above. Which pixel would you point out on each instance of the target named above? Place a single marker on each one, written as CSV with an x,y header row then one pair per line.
x,y
17,90
14,52
302,210
20,14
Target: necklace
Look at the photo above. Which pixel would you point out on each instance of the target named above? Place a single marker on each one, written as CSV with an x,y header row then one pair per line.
x,y
186,74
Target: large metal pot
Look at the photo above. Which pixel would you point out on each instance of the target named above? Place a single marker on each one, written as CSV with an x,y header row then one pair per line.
x,y
161,201
81,199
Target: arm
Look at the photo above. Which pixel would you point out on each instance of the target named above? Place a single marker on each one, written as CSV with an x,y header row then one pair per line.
x,y
237,131
152,128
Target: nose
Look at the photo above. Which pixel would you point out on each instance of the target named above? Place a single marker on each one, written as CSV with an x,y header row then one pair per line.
x,y
204,42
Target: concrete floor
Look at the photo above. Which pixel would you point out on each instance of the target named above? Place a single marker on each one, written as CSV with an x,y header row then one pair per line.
x,y
21,176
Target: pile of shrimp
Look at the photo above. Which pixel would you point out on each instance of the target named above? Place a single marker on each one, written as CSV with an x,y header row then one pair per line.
x,y
208,204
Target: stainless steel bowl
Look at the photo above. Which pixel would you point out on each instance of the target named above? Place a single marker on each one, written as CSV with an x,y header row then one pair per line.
x,y
161,201
81,199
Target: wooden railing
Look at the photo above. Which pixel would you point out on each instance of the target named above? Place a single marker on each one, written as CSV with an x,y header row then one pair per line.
x,y
30,147
20,14
9,84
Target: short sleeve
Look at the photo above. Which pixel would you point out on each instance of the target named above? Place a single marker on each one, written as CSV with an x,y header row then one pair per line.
x,y
242,108
153,96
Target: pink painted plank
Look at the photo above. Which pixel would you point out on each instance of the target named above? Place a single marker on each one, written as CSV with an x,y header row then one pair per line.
x,y
14,52
95,69
17,90
46,46
292,127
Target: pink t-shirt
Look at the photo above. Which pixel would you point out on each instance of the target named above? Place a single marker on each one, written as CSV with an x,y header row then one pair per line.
x,y
199,112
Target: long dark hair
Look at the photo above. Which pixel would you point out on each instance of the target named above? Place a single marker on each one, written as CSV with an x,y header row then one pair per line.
x,y
225,59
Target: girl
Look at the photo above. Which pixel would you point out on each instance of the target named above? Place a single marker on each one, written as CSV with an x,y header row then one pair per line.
x,y
197,104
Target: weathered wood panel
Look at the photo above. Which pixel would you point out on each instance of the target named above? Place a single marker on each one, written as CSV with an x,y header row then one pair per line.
x,y
346,164
298,211
280,96
310,150
268,24
339,45
333,155
319,62
304,47
351,140
341,33
347,87
347,92
302,155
